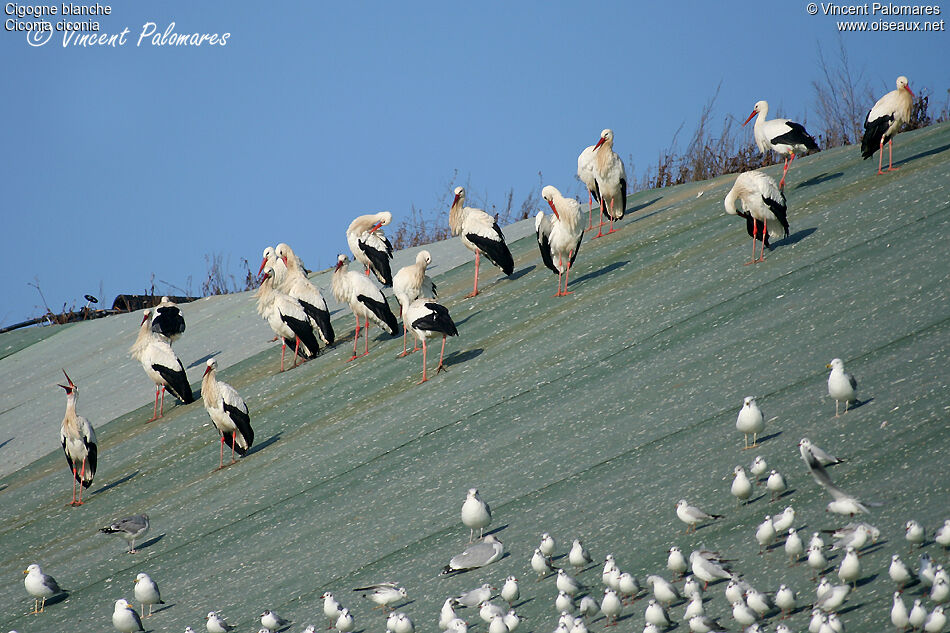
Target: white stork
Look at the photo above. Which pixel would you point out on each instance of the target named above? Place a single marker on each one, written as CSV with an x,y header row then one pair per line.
x,y
167,320
270,259
287,318
560,236
298,286
161,365
370,246
79,443
364,299
779,135
611,181
884,121
480,234
228,412
429,319
585,171
762,201
409,283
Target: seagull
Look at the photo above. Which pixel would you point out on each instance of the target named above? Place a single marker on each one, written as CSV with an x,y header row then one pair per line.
x,y
833,597
758,602
793,545
447,614
656,615
743,614
541,564
759,466
707,570
843,503
691,587
217,624
40,586
579,556
914,533
785,600
566,583
475,597
741,487
676,562
510,590
936,620
130,528
344,623
125,619
898,572
663,590
705,624
841,384
476,555
824,458
611,606
782,522
402,624
547,544
750,421
488,610
146,592
851,535
940,591
899,612
271,621
776,485
691,515
331,608
917,615
849,570
628,586
475,514
816,559
695,607
588,607
383,594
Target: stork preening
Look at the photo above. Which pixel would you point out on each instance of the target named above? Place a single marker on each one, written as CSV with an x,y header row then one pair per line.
x,y
228,413
763,201
365,300
167,320
480,234
409,283
79,443
883,122
560,235
610,180
370,245
782,136
287,318
429,319
161,365
298,286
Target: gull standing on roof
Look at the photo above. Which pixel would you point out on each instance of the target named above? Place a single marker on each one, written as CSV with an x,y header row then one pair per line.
x,y
750,421
344,623
707,570
331,608
611,180
578,556
475,597
370,246
883,122
79,442
410,283
480,234
784,520
762,201
611,606
287,318
161,365
547,544
849,570
365,300
146,592
476,514
228,413
40,586
125,618
476,555
510,591
130,528
560,235
841,384
271,621
296,284
780,135
759,466
541,564
741,487
429,319
663,590
691,515
676,562
167,320
776,485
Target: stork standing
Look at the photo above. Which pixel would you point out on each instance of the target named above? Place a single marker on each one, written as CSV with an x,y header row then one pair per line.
x,y
429,319
161,365
762,200
364,299
409,283
480,234
585,171
228,412
560,236
884,121
79,443
370,245
280,268
298,286
782,136
287,318
611,181
167,320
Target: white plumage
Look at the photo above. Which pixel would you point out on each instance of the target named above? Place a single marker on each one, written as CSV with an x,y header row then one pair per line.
x,y
161,365
365,300
370,246
125,618
409,283
780,135
750,421
298,286
560,235
610,178
762,201
883,122
476,514
841,384
287,318
40,586
79,442
146,592
480,234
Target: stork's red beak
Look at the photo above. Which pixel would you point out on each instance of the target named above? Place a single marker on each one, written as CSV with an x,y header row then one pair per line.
x,y
69,380
339,265
456,199
907,88
376,226
144,318
207,369
754,112
600,142
285,259
551,202
263,263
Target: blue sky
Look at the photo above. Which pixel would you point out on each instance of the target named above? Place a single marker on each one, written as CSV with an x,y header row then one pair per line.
x,y
128,162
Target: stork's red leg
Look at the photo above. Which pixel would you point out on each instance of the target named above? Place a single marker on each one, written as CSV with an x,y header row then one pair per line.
x,y
366,335
423,363
890,156
474,290
221,456
600,227
154,406
232,448
73,502
612,229
404,328
754,230
161,407
356,336
560,264
82,475
880,158
590,210
441,367
567,273
296,349
765,229
283,348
